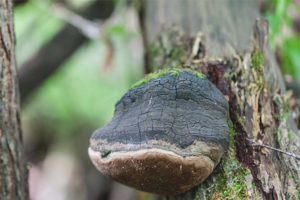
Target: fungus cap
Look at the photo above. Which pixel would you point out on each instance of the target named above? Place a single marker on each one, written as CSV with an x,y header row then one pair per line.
x,y
166,136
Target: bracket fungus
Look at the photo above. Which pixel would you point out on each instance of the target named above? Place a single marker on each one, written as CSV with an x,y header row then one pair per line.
x,y
167,135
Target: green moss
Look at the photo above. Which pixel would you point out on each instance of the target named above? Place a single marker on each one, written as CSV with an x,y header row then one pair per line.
x,y
200,75
160,73
155,53
283,108
169,50
228,75
231,133
240,119
289,136
257,59
232,181
175,72
298,190
280,136
147,78
178,53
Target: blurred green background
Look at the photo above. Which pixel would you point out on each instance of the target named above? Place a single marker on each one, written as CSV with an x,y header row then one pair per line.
x,y
80,93
59,117
283,16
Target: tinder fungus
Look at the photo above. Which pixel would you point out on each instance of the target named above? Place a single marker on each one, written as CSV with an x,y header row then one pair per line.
x,y
166,136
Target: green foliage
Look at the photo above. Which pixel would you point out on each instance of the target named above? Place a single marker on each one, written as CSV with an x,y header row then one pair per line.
x,y
290,56
278,17
34,26
283,36
77,95
80,96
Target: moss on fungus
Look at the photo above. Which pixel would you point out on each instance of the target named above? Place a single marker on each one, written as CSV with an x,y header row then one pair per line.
x,y
160,73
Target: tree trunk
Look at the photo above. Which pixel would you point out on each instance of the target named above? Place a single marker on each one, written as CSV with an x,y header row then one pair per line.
x,y
13,173
225,41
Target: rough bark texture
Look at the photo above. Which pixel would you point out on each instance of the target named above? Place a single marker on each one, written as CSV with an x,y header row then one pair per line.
x,y
223,40
13,173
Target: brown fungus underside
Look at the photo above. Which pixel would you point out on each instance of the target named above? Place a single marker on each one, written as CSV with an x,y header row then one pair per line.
x,y
166,136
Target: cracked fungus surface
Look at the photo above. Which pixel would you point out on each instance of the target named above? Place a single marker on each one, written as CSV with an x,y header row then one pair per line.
x,y
171,120
174,109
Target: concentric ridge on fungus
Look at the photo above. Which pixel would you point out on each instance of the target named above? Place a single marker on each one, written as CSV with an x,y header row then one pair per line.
x,y
166,136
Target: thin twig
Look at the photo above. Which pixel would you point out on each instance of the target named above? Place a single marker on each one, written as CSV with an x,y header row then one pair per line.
x,y
275,149
88,28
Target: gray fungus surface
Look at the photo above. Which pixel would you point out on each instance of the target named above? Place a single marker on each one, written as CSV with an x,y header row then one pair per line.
x,y
175,109
166,136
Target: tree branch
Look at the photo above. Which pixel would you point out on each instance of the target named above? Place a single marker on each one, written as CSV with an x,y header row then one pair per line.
x,y
19,2
274,149
44,62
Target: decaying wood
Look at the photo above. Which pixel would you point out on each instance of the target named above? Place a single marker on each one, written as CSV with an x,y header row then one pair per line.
x,y
227,42
13,172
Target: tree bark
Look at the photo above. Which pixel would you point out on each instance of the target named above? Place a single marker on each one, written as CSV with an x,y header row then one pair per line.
x,y
225,41
13,172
